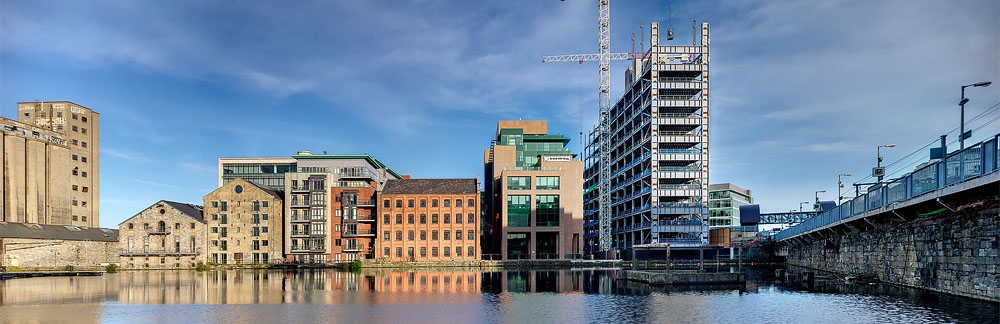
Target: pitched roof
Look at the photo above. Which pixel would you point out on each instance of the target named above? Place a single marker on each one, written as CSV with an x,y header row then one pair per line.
x,y
194,211
266,189
430,186
57,232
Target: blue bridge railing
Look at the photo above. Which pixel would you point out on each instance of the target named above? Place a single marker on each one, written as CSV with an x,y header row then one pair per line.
x,y
972,162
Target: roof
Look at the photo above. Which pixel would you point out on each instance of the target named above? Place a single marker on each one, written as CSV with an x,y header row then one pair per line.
x,y
371,160
57,232
266,189
193,211
431,186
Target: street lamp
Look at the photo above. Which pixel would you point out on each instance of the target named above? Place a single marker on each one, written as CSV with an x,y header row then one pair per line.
x,y
840,185
816,207
961,132
879,171
800,205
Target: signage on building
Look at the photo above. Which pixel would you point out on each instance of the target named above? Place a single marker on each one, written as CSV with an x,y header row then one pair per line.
x,y
560,158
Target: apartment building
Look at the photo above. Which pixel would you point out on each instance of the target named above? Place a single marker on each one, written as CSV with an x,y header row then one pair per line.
x,y
429,220
165,235
245,224
57,177
659,140
534,186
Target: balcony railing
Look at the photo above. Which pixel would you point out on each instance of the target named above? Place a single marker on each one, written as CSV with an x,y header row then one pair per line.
x,y
360,233
159,252
159,231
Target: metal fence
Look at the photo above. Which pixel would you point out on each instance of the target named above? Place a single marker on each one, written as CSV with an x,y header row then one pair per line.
x,y
973,162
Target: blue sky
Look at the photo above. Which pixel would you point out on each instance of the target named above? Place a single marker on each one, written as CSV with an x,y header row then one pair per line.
x,y
801,90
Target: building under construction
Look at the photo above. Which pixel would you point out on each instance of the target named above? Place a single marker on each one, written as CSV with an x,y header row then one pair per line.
x,y
658,132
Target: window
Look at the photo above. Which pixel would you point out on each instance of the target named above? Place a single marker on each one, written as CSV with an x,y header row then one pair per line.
x,y
458,218
385,219
458,203
263,216
85,189
399,252
423,235
447,251
74,187
192,225
434,252
215,217
434,202
518,210
83,130
399,203
263,229
385,203
547,183
518,183
409,235
74,217
177,225
83,159
423,218
83,119
399,235
83,218
399,218
447,218
472,237
423,252
434,218
223,207
472,251
215,229
74,128
458,251
83,174
130,226
458,235
215,204
386,254
75,117
58,114
256,205
434,235
263,204
447,202
447,235
409,218
74,157
472,203
547,210
84,144
409,203
423,202
385,236
75,172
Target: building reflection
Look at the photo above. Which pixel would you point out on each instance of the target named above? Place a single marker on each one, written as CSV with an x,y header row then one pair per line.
x,y
57,290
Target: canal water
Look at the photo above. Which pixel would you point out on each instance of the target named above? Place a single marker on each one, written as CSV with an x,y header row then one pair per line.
x,y
456,296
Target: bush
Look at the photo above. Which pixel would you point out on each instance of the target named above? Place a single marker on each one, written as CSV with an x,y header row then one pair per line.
x,y
67,268
111,268
354,266
202,267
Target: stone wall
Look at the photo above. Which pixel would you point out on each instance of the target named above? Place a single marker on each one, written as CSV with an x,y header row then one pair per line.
x,y
28,253
952,252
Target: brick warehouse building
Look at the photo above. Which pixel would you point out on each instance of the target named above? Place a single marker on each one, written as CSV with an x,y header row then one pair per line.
x,y
165,235
244,223
429,220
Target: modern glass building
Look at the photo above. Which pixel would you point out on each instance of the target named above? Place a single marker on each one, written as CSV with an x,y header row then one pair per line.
x,y
724,201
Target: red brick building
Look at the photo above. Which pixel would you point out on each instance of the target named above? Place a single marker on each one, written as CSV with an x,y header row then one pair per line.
x,y
428,220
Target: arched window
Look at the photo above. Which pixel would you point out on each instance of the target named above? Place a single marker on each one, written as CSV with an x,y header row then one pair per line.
x,y
161,227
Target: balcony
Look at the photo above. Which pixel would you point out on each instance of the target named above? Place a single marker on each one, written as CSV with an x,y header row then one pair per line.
x,y
159,252
299,204
159,231
299,219
299,188
359,233
300,234
352,248
307,249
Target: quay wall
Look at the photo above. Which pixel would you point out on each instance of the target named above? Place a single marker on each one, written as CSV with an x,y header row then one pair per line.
x,y
952,252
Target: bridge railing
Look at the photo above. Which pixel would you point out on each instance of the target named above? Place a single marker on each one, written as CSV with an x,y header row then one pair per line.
x,y
973,162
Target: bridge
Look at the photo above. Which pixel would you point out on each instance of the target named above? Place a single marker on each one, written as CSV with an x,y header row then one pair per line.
x,y
790,218
935,187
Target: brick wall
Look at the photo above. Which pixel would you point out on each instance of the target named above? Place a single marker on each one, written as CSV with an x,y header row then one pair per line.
x,y
47,254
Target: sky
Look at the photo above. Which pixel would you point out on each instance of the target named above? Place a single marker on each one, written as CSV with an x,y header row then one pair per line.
x,y
801,90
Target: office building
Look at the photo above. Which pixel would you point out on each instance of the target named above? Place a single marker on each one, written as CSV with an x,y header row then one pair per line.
x,y
659,153
534,186
724,201
429,220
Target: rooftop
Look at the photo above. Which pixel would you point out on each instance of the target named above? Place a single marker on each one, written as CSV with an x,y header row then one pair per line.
x,y
431,186
57,232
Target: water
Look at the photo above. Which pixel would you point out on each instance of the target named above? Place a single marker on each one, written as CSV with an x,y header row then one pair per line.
x,y
435,296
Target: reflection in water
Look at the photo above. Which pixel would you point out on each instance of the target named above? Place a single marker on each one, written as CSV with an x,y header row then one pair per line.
x,y
458,296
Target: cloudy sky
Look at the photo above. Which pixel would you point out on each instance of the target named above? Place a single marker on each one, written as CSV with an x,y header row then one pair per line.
x,y
801,90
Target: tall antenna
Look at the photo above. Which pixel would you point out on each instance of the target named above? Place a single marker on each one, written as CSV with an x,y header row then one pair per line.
x,y
694,32
670,26
642,36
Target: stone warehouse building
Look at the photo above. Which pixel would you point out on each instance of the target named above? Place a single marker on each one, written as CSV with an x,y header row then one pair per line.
x,y
166,235
244,224
429,220
54,167
42,246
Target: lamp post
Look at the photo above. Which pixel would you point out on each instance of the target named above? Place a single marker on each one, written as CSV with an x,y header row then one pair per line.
x,y
800,205
816,206
878,164
961,134
840,185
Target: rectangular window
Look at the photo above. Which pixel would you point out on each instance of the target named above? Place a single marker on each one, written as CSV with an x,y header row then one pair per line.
x,y
83,174
447,202
434,218
547,210
447,235
223,206
385,203
423,235
519,183
434,235
423,218
518,210
399,203
472,251
423,202
385,219
75,157
409,203
263,204
472,237
423,252
547,183
409,235
458,235
434,202
83,159
458,218
409,218
385,236
74,128
434,252
447,218
399,218
84,144
472,203
399,252
399,235
458,203
256,205
447,251
386,252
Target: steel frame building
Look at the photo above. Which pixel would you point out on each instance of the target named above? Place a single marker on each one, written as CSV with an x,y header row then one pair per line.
x,y
659,152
